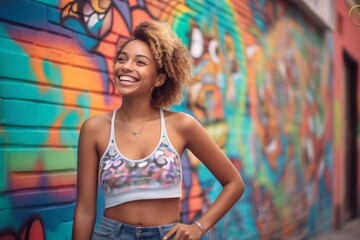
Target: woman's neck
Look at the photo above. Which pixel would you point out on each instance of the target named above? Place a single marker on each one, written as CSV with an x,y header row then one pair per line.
x,y
138,110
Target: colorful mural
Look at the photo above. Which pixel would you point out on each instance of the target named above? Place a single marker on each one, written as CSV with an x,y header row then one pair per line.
x,y
261,87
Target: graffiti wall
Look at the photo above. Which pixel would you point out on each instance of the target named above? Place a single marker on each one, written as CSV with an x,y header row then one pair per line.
x,y
261,87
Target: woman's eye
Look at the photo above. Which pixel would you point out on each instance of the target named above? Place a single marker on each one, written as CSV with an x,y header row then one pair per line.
x,y
141,63
121,59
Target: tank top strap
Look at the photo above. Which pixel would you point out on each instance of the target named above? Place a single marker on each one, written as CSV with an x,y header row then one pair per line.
x,y
112,130
163,128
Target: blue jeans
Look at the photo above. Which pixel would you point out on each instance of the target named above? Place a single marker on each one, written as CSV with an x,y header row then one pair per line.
x,y
110,229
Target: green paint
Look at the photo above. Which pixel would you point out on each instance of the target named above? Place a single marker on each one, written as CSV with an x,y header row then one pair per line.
x,y
50,159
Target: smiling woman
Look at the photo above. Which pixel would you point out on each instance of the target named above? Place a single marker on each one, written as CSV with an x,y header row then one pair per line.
x,y
137,73
168,54
135,153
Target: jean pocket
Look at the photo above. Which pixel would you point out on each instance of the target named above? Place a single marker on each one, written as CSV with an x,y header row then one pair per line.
x,y
166,228
104,230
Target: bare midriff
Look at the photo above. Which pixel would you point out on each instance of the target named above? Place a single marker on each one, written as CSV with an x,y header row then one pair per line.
x,y
152,212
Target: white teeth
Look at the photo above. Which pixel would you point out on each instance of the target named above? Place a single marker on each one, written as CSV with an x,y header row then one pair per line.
x,y
127,78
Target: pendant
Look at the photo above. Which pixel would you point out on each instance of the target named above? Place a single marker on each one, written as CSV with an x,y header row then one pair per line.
x,y
136,134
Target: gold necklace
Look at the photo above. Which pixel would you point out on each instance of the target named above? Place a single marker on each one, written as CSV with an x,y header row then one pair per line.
x,y
136,134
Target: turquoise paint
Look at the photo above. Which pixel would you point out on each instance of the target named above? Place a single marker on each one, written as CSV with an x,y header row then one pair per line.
x,y
3,175
30,137
71,119
69,138
62,232
1,112
79,30
83,100
30,92
53,3
6,215
14,62
30,114
248,150
52,73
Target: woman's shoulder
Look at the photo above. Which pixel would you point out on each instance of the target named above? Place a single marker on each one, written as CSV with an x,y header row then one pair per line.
x,y
181,120
96,122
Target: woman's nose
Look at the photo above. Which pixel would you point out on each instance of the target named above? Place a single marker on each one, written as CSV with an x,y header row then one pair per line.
x,y
127,67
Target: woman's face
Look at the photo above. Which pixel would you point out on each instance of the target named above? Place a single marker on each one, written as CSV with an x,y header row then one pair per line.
x,y
135,71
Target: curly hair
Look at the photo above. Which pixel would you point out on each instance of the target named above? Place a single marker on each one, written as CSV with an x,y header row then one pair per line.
x,y
171,56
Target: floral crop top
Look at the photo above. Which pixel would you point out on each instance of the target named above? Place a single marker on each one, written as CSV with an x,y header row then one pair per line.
x,y
156,176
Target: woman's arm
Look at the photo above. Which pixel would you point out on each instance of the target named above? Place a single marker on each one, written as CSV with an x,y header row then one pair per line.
x,y
87,178
208,152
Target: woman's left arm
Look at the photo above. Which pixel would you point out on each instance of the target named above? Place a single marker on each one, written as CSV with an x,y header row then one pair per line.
x,y
199,142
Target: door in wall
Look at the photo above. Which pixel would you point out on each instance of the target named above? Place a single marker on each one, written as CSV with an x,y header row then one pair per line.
x,y
351,161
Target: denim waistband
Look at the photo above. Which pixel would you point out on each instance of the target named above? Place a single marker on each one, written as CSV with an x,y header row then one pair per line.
x,y
138,230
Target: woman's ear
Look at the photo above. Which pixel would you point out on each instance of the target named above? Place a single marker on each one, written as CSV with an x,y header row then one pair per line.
x,y
161,80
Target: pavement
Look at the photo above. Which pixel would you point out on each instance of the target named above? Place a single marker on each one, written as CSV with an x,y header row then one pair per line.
x,y
350,231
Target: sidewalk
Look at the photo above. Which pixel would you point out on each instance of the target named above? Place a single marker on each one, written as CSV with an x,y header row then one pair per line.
x,y
350,231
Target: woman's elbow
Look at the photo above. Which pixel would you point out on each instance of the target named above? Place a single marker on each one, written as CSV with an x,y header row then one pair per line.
x,y
240,187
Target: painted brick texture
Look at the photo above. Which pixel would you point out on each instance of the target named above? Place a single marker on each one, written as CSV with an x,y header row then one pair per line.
x,y
263,82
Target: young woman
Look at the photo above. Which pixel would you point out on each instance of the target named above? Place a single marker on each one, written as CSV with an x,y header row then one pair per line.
x,y
135,151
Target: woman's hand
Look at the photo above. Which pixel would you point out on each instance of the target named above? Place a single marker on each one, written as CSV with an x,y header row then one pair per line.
x,y
185,232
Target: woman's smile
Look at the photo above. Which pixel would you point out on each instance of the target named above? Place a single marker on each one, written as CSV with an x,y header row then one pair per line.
x,y
127,80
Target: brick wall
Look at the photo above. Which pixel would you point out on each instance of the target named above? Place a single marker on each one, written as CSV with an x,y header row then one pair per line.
x,y
263,82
